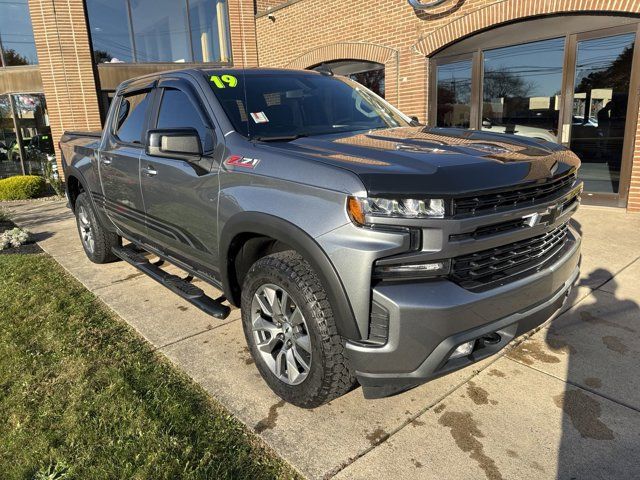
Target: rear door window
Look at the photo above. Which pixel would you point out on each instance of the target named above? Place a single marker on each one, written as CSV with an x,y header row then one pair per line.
x,y
132,117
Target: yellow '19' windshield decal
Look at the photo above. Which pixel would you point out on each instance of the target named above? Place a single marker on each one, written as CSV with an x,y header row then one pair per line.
x,y
223,81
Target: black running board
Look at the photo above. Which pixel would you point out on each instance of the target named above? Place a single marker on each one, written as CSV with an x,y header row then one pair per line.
x,y
179,286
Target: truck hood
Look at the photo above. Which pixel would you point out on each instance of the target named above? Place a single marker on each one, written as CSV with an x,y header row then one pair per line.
x,y
419,160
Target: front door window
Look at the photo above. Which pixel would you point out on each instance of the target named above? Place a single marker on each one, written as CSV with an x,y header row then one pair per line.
x,y
600,99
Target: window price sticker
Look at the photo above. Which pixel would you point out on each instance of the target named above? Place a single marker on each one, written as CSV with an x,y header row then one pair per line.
x,y
259,117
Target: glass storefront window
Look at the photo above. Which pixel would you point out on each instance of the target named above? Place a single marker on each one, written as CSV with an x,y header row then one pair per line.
x,y
16,34
9,150
454,94
574,87
161,31
27,148
147,31
600,99
521,89
32,121
110,32
208,21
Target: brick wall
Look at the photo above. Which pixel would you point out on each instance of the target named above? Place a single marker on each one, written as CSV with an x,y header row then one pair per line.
x,y
307,30
62,43
265,5
242,26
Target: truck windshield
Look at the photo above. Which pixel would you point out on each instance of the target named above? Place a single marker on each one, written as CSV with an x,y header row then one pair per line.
x,y
281,106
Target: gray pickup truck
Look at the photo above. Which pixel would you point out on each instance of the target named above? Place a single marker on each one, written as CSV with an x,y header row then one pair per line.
x,y
361,247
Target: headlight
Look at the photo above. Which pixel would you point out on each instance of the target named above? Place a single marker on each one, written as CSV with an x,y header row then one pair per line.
x,y
359,208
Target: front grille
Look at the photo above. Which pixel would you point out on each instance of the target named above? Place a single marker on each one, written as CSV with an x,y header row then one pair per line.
x,y
520,197
482,269
489,230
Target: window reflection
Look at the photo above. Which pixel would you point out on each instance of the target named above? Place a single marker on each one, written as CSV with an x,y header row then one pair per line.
x,y
521,89
369,74
27,112
9,158
209,29
603,74
110,33
16,34
159,30
32,121
454,94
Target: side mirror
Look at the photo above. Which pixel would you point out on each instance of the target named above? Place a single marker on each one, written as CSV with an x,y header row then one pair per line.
x,y
415,121
486,123
178,143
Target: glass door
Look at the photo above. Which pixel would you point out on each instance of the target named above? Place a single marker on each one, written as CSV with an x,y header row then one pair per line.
x,y
602,113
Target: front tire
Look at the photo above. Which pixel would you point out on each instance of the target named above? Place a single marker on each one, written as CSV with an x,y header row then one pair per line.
x,y
96,240
291,332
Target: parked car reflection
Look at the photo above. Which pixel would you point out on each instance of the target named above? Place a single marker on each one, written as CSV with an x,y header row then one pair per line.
x,y
522,130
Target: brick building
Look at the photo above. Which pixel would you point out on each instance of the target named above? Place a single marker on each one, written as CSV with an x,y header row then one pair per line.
x,y
560,70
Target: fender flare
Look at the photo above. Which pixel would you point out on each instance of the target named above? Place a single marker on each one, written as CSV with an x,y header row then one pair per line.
x,y
72,171
288,233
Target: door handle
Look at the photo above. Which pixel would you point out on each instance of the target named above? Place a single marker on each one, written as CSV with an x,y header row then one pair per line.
x,y
149,171
105,161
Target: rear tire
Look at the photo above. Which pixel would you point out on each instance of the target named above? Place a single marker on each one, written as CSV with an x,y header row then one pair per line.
x,y
301,325
96,240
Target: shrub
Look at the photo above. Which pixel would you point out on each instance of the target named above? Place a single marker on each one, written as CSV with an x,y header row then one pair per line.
x,y
13,238
21,187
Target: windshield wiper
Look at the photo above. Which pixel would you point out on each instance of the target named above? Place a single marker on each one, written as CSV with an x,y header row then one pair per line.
x,y
280,138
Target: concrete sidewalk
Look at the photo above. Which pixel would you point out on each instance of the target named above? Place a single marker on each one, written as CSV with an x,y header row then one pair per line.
x,y
565,403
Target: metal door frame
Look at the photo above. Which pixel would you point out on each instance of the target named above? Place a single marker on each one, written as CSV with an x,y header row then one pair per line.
x,y
626,162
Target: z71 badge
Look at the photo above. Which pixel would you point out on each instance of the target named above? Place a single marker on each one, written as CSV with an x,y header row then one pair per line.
x,y
244,162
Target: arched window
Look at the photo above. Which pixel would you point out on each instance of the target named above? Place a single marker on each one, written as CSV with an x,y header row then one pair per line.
x,y
369,74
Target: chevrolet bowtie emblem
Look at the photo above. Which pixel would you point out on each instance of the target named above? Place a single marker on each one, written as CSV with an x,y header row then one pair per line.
x,y
531,220
548,217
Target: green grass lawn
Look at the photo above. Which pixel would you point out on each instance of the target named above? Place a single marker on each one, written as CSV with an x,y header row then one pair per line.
x,y
82,396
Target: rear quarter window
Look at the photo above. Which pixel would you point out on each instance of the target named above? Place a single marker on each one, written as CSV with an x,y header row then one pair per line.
x,y
131,117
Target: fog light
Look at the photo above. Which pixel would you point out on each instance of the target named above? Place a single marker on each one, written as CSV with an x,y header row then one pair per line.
x,y
413,270
463,350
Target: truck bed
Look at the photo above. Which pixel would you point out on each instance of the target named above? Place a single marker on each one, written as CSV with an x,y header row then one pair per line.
x,y
68,135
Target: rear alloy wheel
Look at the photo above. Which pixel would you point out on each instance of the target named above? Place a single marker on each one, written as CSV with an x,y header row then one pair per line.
x,y
85,230
289,326
96,240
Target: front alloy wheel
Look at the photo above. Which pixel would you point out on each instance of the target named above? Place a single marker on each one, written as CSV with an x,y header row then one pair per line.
x,y
291,332
281,334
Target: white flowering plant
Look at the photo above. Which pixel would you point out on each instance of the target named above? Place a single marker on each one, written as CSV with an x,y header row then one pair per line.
x,y
13,238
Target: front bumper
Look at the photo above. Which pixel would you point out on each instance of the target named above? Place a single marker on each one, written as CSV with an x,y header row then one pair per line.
x,y
428,320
